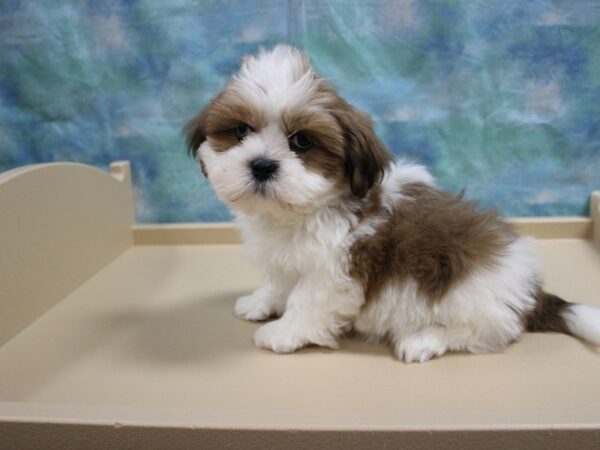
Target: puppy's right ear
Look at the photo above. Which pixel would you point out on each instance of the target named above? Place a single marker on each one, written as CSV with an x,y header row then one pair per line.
x,y
195,132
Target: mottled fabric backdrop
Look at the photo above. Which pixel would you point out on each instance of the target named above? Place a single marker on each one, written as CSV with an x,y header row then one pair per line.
x,y
499,96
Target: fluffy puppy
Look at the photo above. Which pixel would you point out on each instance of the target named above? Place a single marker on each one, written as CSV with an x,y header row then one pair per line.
x,y
346,239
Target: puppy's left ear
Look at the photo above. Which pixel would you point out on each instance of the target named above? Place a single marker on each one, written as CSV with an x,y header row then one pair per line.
x,y
366,157
195,133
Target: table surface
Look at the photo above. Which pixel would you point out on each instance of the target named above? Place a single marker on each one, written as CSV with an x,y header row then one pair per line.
x,y
154,330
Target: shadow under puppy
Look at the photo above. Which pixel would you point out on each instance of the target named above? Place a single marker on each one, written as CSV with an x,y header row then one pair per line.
x,y
346,239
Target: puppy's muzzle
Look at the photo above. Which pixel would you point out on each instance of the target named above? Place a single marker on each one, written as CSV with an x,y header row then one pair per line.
x,y
263,169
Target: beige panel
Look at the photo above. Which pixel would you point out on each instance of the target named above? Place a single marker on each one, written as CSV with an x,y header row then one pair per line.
x,y
59,224
185,234
595,213
226,233
553,227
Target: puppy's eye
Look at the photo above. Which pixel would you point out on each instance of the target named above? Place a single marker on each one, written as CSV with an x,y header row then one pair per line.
x,y
242,131
300,142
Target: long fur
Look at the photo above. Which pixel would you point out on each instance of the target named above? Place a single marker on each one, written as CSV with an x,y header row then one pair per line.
x,y
347,240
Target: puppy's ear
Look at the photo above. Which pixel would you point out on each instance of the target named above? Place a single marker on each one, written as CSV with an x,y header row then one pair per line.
x,y
195,132
366,157
195,135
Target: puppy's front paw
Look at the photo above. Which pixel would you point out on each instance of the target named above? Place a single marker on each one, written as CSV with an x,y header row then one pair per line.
x,y
279,337
252,307
263,303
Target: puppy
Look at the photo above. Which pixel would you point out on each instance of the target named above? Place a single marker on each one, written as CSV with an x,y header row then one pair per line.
x,y
346,239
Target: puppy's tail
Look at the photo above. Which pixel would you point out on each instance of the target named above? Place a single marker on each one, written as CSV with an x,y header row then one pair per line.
x,y
552,313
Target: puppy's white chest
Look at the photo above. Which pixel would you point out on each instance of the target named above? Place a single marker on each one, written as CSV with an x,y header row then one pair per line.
x,y
303,253
300,249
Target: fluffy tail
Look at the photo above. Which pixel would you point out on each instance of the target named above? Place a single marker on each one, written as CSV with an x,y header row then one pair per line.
x,y
552,313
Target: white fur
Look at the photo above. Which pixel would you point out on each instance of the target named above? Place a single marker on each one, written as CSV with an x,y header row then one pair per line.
x,y
276,80
583,321
402,174
261,304
305,260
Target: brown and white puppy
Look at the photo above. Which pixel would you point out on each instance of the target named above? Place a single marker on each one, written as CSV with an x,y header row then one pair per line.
x,y
347,239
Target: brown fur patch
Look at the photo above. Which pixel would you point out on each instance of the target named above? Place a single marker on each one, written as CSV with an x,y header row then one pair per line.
x,y
194,132
321,159
365,157
219,119
370,206
345,143
433,237
326,156
547,315
223,140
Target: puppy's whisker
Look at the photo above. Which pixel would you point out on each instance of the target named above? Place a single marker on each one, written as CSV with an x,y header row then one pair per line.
x,y
244,192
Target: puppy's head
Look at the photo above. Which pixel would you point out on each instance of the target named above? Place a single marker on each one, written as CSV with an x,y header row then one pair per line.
x,y
279,139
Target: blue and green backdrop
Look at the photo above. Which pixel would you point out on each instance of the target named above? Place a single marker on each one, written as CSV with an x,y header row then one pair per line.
x,y
501,97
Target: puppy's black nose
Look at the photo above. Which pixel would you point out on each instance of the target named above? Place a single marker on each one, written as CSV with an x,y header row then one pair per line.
x,y
263,169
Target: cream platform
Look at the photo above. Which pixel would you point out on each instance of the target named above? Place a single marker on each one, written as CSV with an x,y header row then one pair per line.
x,y
117,335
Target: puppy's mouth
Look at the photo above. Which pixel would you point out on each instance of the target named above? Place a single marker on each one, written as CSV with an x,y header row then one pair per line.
x,y
261,196
263,189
